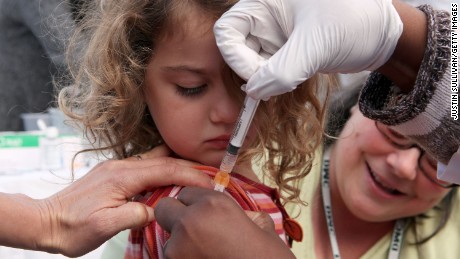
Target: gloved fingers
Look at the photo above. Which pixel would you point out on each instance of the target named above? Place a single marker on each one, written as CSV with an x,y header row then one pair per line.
x,y
327,36
232,45
246,35
294,63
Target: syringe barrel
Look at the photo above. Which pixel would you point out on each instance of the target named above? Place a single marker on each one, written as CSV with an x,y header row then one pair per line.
x,y
228,162
236,141
244,121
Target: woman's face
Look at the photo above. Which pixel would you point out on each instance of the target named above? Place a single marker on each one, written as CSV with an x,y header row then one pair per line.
x,y
187,97
376,181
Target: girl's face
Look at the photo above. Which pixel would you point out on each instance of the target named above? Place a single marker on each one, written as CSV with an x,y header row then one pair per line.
x,y
187,97
376,181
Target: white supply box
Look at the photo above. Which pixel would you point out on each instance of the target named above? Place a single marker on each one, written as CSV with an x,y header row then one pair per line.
x,y
19,152
25,151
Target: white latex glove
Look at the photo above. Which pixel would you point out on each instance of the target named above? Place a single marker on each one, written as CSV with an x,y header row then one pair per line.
x,y
278,44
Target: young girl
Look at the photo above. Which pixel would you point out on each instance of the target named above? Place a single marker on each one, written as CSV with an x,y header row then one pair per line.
x,y
152,75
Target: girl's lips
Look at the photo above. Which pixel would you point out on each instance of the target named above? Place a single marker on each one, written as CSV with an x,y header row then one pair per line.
x,y
219,142
381,185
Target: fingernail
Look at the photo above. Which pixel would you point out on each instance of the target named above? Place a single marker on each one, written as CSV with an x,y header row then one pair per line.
x,y
151,215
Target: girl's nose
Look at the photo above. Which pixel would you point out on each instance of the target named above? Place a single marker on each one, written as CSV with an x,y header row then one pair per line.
x,y
405,162
225,108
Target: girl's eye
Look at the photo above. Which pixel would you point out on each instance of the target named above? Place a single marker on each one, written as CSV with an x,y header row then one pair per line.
x,y
190,91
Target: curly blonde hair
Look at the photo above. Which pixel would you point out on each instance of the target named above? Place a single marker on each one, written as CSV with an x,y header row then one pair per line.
x,y
106,97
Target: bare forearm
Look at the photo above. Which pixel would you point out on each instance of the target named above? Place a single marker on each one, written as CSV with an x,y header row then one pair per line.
x,y
21,222
404,64
423,110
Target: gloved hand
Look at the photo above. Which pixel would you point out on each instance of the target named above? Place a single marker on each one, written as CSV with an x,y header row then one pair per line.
x,y
278,44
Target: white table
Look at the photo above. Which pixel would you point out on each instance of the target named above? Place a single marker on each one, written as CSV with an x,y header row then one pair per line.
x,y
38,184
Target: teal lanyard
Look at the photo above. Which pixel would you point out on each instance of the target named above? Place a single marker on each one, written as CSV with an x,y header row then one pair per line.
x,y
398,231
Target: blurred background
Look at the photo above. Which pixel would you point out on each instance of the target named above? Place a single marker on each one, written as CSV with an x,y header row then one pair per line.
x,y
36,142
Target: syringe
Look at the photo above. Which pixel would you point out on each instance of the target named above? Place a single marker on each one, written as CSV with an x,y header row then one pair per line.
x,y
222,177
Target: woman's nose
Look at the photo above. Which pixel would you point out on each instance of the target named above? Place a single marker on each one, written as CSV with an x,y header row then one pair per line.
x,y
405,162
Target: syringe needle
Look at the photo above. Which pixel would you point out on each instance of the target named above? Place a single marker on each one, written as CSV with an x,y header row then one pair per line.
x,y
222,177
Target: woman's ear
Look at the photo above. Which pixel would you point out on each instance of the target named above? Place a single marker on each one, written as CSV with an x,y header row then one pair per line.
x,y
354,108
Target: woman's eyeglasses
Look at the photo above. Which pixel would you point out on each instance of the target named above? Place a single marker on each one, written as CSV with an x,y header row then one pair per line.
x,y
426,163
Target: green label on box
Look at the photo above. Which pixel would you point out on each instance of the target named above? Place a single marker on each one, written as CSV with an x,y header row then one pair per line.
x,y
19,141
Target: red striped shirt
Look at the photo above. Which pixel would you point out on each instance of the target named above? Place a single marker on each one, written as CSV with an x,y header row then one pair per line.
x,y
149,241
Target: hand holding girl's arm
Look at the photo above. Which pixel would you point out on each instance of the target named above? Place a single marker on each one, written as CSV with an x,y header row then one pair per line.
x,y
90,211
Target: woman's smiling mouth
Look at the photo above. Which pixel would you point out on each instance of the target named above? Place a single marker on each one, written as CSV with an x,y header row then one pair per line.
x,y
381,184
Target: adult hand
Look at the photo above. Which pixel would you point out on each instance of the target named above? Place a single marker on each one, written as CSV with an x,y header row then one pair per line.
x,y
304,37
94,208
208,224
